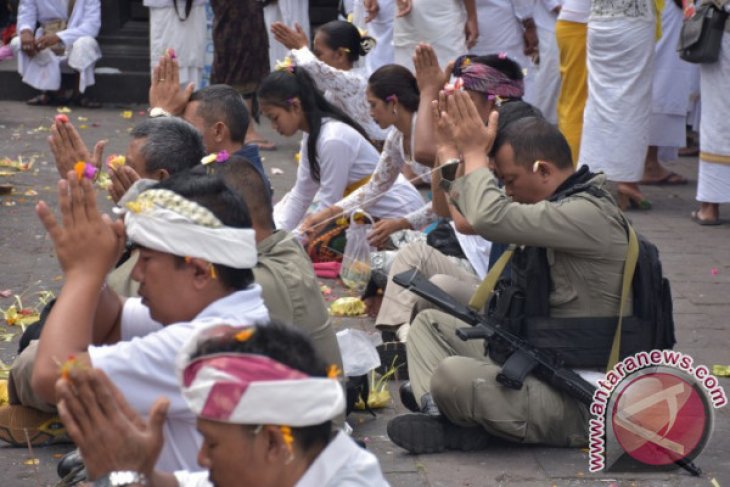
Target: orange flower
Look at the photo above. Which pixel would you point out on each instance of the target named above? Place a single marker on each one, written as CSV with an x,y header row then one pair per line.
x,y
244,335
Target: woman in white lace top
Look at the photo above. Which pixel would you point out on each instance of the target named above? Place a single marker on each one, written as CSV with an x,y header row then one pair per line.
x,y
336,156
336,49
393,97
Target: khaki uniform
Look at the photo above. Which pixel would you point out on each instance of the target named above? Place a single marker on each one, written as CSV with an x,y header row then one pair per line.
x,y
400,305
586,243
291,293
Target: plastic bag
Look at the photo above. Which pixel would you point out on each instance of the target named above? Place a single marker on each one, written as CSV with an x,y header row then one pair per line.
x,y
359,355
355,272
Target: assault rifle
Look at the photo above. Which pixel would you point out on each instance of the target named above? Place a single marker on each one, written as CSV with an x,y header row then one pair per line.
x,y
523,358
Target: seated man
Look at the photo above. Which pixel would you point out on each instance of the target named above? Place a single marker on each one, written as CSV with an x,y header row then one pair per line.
x,y
585,237
284,272
196,252
65,39
264,403
159,148
218,112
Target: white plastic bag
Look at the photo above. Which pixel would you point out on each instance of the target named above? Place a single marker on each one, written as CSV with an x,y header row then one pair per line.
x,y
359,355
355,271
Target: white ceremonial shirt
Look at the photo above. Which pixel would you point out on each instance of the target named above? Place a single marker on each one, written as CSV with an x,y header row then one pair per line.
x,y
341,464
387,175
345,157
142,365
344,89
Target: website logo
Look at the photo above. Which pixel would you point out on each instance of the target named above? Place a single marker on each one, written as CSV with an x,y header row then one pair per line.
x,y
653,410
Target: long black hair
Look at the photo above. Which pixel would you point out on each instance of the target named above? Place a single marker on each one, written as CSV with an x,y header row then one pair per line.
x,y
280,87
341,34
395,80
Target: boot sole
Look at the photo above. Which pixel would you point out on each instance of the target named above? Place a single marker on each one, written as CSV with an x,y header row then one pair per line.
x,y
421,433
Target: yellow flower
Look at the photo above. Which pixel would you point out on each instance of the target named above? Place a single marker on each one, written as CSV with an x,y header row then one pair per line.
x,y
286,65
210,158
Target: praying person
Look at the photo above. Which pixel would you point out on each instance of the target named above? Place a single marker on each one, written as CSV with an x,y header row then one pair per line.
x,y
196,251
336,156
66,39
336,49
393,96
264,403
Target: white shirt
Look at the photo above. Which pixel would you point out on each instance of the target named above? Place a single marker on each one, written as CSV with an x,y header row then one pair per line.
x,y
344,89
142,365
85,19
575,11
387,175
341,464
345,157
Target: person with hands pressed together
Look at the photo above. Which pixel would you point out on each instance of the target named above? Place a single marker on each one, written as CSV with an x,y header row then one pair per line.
x,y
545,207
196,252
336,48
264,402
393,97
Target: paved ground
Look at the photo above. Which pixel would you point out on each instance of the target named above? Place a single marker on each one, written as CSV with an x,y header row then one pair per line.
x,y
697,260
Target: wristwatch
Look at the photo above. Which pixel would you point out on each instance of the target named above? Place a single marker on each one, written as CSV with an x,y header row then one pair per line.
x,y
121,478
158,112
448,173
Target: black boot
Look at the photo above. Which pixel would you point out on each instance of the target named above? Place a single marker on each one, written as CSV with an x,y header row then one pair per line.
x,y
422,433
407,398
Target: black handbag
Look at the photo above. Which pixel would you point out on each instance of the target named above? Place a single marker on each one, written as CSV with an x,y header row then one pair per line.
x,y
701,36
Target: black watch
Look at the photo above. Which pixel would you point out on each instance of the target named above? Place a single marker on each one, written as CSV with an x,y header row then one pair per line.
x,y
448,173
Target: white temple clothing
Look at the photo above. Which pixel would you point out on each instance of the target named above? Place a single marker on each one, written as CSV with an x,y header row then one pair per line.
x,y
387,172
380,29
713,183
289,12
344,89
437,22
616,118
186,37
142,366
345,158
671,84
341,464
43,71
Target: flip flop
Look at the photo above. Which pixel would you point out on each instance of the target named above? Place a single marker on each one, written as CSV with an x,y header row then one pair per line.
x,y
671,179
705,223
263,144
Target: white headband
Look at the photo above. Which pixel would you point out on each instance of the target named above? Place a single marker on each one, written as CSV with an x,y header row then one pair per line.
x,y
162,220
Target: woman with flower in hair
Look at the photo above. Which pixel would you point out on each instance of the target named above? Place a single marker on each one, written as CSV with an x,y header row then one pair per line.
x,y
336,156
332,61
393,97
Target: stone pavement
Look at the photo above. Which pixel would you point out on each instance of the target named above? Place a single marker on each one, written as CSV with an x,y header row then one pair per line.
x,y
696,259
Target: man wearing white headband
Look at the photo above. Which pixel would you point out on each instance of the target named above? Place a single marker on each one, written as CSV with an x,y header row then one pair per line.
x,y
264,403
196,254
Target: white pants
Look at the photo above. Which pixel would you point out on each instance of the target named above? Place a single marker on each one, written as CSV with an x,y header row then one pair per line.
x,y
288,12
43,71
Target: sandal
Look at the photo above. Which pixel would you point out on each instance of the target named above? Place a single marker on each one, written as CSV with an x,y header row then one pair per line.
x,y
695,215
670,179
633,201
